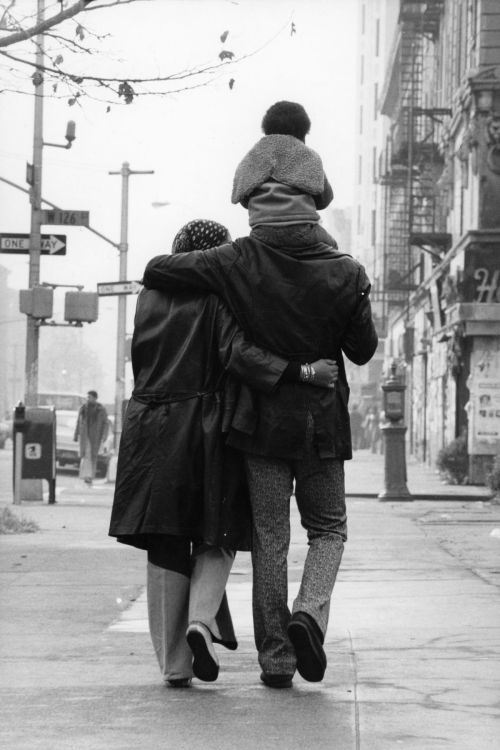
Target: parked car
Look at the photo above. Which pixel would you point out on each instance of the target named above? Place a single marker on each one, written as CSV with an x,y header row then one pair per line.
x,y
60,400
67,454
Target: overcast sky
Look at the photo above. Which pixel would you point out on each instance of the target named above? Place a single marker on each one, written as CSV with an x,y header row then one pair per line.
x,y
192,140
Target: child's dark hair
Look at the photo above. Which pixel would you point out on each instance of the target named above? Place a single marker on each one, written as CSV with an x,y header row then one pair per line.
x,y
286,118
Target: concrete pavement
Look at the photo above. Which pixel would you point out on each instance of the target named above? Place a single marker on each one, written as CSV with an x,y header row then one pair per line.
x,y
413,644
365,478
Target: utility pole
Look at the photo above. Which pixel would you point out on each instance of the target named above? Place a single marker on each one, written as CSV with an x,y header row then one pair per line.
x,y
32,329
125,173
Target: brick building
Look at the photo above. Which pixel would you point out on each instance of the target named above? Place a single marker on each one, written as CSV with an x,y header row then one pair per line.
x,y
428,213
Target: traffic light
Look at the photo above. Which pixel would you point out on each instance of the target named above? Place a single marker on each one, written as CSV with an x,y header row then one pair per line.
x,y
80,307
37,302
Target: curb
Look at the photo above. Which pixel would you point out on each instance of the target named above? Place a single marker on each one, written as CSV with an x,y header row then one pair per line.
x,y
424,496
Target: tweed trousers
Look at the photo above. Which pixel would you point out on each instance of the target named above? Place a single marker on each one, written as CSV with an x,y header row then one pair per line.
x,y
320,496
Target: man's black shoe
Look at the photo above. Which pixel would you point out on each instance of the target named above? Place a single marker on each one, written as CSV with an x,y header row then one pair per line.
x,y
276,680
306,639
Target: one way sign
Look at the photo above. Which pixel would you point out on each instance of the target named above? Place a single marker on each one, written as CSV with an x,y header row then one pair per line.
x,y
52,244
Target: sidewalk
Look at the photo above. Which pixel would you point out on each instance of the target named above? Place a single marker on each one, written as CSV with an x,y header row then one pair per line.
x,y
413,643
365,478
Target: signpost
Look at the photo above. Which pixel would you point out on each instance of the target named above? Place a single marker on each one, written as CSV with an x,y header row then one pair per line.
x,y
118,287
64,217
52,244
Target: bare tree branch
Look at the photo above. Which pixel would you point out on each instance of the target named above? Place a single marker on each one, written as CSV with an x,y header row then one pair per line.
x,y
6,13
70,44
39,28
180,75
77,96
74,85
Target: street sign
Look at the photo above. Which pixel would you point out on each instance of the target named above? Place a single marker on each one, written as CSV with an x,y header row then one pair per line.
x,y
118,287
65,217
52,244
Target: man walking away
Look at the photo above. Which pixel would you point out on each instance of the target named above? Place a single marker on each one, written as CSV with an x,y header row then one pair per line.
x,y
91,430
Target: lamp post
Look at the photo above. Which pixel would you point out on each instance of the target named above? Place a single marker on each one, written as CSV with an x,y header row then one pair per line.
x,y
34,177
32,329
394,432
121,332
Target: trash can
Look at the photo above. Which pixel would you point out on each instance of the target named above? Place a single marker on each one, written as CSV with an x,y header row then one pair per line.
x,y
34,447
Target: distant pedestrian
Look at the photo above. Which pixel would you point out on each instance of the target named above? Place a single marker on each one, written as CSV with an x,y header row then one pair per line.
x,y
371,429
356,422
91,431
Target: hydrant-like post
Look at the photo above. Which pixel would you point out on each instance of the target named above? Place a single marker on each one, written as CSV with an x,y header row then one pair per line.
x,y
394,432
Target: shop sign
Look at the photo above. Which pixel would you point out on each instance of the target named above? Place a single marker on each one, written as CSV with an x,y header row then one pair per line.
x,y
480,281
487,289
487,410
484,405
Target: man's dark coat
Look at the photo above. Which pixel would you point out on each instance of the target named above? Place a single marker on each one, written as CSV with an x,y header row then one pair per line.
x,y
94,430
174,475
303,302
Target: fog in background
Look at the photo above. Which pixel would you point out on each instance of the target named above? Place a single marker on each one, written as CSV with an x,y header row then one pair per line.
x,y
193,140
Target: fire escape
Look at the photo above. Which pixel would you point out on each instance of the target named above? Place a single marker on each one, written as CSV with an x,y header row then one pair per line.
x,y
413,220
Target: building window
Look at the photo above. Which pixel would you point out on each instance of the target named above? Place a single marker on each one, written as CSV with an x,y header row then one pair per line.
x,y
374,164
360,170
377,37
374,227
363,18
359,220
375,101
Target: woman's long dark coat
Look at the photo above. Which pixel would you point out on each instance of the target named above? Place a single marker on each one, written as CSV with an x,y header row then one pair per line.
x,y
174,474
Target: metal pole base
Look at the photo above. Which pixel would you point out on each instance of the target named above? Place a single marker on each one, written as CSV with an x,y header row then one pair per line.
x,y
52,491
394,464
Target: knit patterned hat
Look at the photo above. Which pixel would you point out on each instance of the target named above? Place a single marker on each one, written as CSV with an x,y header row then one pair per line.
x,y
199,234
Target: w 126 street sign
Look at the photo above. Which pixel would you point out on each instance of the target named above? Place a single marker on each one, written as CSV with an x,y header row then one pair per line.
x,y
118,287
52,244
64,217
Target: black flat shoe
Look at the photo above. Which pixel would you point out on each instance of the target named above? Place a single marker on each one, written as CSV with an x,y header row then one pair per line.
x,y
205,662
179,682
276,680
306,639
